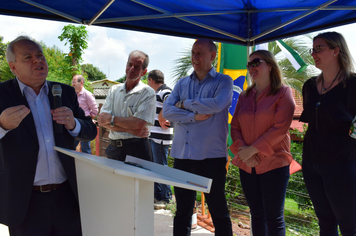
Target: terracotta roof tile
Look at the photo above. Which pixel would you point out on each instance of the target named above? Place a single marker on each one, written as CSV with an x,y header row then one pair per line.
x,y
100,93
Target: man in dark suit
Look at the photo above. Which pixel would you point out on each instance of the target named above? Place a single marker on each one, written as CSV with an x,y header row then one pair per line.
x,y
38,189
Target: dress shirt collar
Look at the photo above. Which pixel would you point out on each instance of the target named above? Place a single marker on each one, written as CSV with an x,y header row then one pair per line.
x,y
136,89
211,74
23,86
81,91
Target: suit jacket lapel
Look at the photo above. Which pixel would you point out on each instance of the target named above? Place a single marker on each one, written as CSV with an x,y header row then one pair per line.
x,y
20,99
50,95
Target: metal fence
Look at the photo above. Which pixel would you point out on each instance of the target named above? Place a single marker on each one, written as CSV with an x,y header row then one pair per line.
x,y
299,214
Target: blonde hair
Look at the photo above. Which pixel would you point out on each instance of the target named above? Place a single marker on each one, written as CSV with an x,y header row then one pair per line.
x,y
333,40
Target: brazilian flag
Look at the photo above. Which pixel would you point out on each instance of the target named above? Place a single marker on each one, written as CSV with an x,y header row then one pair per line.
x,y
232,60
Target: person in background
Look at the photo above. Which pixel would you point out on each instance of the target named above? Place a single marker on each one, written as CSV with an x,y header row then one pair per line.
x,y
38,188
87,102
161,135
261,143
128,111
198,105
329,153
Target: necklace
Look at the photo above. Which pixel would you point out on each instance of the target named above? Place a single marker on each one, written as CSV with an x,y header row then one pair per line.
x,y
321,96
322,82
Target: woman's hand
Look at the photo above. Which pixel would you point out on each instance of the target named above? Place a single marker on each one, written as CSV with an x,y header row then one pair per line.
x,y
253,161
246,152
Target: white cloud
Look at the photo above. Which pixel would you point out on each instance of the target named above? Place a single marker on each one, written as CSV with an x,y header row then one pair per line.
x,y
107,53
44,30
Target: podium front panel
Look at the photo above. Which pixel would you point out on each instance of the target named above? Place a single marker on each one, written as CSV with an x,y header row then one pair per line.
x,y
112,204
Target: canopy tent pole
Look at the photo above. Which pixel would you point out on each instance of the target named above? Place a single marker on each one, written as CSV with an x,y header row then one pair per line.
x,y
101,11
248,78
62,14
167,15
192,21
293,20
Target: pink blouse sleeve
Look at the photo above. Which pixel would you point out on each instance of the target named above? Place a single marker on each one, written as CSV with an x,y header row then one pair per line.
x,y
236,133
282,121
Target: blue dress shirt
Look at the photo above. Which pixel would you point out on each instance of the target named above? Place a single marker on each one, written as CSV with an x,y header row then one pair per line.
x,y
198,140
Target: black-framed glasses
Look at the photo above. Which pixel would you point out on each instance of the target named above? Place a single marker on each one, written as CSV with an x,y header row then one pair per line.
x,y
316,49
254,63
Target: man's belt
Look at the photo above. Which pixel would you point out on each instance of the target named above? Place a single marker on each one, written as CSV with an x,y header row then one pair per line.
x,y
122,142
47,188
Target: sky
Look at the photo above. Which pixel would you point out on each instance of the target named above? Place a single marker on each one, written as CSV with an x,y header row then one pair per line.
x,y
108,49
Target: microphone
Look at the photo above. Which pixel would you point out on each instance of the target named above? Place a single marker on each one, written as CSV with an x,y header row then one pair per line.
x,y
57,102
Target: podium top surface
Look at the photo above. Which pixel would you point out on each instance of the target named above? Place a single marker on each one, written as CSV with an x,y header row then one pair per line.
x,y
147,171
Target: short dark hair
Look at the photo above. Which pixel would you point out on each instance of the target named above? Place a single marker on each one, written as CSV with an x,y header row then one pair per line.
x,y
157,76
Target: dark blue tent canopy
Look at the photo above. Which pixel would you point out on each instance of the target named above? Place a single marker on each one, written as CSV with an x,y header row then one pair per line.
x,y
242,22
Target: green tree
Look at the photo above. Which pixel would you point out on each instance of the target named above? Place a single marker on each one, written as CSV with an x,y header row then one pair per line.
x,y
94,73
77,37
121,80
144,78
2,47
59,69
5,72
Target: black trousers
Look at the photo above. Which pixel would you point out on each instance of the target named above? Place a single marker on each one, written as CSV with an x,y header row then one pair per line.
x,y
211,168
55,213
140,149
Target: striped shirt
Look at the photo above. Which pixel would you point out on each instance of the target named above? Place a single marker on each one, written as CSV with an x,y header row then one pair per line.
x,y
158,134
139,102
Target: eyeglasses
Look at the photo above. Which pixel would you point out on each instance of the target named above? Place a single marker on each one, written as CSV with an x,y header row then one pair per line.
x,y
254,63
316,49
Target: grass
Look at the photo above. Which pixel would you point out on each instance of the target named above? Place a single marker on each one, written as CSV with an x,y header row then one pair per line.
x,y
299,222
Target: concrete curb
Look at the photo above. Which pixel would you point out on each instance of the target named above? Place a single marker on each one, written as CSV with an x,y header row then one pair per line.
x,y
163,225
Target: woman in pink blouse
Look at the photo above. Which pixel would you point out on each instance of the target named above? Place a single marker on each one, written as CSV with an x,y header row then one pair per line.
x,y
259,129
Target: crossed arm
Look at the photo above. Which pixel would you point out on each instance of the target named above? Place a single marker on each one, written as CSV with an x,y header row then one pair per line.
x,y
132,125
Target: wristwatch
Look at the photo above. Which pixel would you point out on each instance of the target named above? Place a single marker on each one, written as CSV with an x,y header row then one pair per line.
x,y
112,123
180,104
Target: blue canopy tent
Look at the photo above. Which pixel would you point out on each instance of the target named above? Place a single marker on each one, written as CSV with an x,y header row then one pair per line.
x,y
243,22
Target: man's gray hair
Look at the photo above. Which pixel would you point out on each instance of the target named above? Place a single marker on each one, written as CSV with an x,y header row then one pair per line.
x,y
10,54
138,53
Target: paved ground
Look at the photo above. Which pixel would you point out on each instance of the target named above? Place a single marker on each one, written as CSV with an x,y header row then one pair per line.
x,y
163,226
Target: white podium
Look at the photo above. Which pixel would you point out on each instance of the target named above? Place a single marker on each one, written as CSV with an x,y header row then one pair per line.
x,y
117,198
